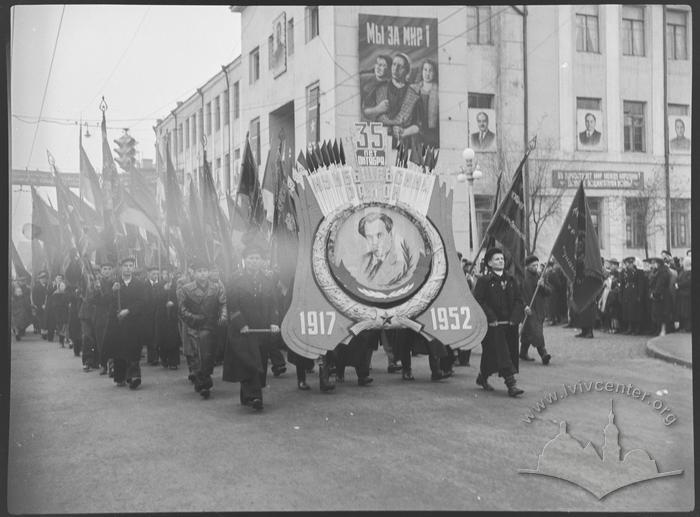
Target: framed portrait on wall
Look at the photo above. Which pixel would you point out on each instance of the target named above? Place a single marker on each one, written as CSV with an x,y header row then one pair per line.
x,y
679,134
278,54
589,129
482,129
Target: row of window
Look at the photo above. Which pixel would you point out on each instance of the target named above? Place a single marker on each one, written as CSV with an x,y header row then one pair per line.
x,y
639,218
632,27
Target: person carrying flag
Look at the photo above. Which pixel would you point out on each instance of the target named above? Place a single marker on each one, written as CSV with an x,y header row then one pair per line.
x,y
532,331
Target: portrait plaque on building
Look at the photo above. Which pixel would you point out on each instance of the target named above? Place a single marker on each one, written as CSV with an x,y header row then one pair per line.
x,y
376,251
278,52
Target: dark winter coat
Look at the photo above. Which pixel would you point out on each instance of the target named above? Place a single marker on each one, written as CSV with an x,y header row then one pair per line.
x,y
252,300
659,294
683,310
633,288
166,326
21,310
122,337
532,332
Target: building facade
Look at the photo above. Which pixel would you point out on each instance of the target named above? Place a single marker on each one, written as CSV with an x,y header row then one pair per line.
x,y
606,106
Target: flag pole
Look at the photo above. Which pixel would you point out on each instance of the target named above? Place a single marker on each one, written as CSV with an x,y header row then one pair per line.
x,y
537,287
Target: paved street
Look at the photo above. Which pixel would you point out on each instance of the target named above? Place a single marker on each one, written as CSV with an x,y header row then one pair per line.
x,y
80,444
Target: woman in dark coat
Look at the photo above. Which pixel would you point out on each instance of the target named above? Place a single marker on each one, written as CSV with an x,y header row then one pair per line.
x,y
659,295
57,306
167,326
21,311
683,309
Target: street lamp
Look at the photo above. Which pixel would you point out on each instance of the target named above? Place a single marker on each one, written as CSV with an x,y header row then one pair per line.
x,y
470,173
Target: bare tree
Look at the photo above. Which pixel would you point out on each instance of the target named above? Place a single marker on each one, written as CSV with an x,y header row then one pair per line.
x,y
649,205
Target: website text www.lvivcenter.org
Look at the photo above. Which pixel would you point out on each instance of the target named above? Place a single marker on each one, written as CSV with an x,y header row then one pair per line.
x,y
629,390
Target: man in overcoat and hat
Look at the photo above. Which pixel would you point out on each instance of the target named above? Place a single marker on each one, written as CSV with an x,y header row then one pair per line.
x,y
253,317
122,343
500,297
202,308
532,332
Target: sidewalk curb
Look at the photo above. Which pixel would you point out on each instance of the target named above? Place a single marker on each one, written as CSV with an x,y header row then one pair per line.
x,y
654,351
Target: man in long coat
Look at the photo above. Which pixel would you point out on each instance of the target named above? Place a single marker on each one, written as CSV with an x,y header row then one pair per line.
x,y
202,308
500,297
659,294
632,292
253,307
153,285
40,293
532,332
122,343
102,300
167,323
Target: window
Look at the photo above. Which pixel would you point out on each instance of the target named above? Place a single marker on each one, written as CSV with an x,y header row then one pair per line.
x,y
678,110
236,100
313,114
217,113
290,37
680,223
632,30
587,33
254,62
676,34
311,17
187,134
634,126
255,138
208,118
225,113
595,207
588,103
480,100
270,44
479,25
179,137
483,205
636,211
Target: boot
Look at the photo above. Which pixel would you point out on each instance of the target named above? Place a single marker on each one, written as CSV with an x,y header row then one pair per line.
x,y
513,390
406,375
546,357
324,375
463,357
523,353
481,380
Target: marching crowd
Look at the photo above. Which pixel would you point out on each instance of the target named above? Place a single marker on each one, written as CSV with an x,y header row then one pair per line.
x,y
115,317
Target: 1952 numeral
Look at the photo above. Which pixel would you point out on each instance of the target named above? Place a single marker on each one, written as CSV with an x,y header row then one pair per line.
x,y
450,318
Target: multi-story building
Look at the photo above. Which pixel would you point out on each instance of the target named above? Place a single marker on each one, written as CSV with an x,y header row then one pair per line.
x,y
605,88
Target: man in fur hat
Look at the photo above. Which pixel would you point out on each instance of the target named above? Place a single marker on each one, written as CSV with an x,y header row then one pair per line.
x,y
500,298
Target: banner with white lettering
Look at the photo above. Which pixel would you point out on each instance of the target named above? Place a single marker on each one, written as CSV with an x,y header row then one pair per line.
x,y
399,77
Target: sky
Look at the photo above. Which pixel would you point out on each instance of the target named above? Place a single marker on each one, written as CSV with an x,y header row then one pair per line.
x,y
141,58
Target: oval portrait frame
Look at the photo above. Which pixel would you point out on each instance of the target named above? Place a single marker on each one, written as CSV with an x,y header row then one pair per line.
x,y
357,310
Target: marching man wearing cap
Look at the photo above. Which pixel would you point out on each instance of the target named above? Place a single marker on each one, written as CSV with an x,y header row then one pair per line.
x,y
532,333
122,343
501,299
202,308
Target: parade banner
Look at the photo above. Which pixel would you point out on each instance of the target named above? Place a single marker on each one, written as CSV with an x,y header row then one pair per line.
x,y
278,50
376,251
399,77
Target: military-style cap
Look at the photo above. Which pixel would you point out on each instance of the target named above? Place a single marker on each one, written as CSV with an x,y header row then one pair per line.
x,y
614,261
127,259
629,260
490,253
530,259
658,260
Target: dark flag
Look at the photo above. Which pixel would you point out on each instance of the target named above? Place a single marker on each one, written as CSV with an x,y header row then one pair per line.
x,y
270,178
577,251
90,189
131,212
284,231
508,223
45,228
490,241
110,189
214,218
197,246
249,191
20,270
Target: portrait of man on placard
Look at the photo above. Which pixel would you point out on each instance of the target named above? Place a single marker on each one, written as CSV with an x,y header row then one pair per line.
x,y
482,129
679,134
380,249
589,124
278,56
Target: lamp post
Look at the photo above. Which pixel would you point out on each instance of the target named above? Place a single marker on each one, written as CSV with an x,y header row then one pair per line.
x,y
470,173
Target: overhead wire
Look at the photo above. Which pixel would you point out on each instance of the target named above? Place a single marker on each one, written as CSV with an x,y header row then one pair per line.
x,y
46,86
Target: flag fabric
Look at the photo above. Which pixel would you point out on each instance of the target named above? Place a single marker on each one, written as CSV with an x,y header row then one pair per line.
x,y
110,189
284,231
249,197
45,228
20,270
129,211
578,253
490,241
508,223
90,189
198,244
270,178
215,221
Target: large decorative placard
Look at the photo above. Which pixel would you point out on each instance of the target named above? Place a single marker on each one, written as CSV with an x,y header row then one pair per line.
x,y
376,251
